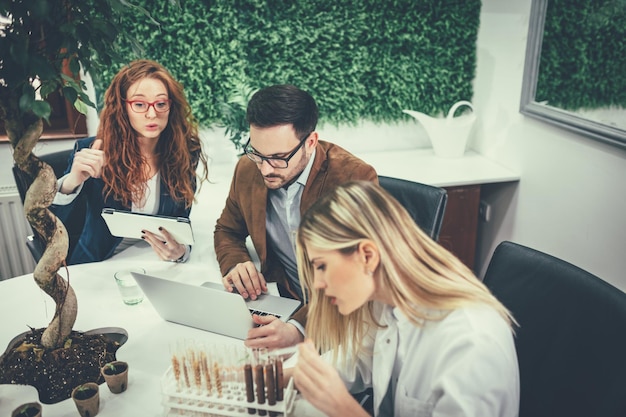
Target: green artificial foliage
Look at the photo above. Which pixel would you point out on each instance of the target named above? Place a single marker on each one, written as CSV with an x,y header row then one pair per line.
x,y
583,55
360,59
233,114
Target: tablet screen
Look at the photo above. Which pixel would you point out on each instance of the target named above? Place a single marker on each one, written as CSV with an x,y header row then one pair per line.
x,y
128,224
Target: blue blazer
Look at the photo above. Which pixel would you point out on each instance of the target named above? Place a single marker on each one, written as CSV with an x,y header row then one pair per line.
x,y
96,242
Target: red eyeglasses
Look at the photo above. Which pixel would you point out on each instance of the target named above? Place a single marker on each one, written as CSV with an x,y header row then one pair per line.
x,y
141,106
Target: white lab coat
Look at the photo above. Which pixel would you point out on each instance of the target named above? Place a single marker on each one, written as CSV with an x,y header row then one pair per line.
x,y
464,365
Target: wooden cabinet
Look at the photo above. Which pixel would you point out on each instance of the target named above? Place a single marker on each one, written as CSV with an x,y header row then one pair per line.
x,y
463,178
460,222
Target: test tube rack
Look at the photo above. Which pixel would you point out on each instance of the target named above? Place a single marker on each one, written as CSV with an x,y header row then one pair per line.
x,y
189,402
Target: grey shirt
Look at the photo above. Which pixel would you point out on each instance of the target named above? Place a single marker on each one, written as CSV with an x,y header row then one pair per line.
x,y
282,221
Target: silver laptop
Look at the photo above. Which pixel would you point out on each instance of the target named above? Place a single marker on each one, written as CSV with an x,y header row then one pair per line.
x,y
210,307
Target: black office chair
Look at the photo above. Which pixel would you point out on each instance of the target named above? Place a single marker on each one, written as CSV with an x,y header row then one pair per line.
x,y
425,203
58,162
571,343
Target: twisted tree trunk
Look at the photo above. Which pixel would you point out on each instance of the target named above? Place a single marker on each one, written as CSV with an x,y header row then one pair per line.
x,y
38,198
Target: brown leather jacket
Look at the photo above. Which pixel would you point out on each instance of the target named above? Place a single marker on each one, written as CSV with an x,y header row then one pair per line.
x,y
244,213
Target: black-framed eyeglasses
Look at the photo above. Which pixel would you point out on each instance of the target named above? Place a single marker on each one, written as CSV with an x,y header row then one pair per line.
x,y
274,162
141,106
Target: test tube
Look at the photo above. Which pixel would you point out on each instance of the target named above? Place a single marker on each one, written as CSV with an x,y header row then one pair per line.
x,y
184,363
270,383
176,371
196,368
247,371
260,386
204,361
278,363
217,378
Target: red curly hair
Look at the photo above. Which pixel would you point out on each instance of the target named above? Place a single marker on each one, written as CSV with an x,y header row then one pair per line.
x,y
178,150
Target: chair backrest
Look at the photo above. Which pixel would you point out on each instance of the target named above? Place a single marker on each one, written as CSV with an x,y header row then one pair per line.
x,y
425,203
58,161
571,343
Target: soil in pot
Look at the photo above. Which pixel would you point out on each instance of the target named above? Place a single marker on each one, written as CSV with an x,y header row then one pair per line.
x,y
27,410
87,399
55,372
116,376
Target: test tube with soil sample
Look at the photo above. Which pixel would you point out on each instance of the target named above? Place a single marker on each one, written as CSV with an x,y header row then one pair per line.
x,y
259,381
270,384
278,365
205,367
248,379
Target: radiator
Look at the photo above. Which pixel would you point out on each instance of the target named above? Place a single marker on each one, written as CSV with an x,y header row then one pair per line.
x,y
15,258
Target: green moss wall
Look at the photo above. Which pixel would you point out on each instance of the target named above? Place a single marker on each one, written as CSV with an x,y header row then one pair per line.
x,y
583,56
361,59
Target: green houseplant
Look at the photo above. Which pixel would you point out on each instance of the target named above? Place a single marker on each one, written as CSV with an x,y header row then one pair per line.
x,y
44,46
233,114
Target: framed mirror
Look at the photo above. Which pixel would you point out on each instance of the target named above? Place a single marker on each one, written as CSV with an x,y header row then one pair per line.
x,y
575,67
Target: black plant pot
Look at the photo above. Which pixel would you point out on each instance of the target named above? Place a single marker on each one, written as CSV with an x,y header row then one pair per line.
x,y
54,373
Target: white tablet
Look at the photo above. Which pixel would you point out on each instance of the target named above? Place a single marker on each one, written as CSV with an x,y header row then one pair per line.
x,y
127,224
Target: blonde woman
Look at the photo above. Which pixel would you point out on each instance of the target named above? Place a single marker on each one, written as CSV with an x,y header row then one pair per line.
x,y
392,310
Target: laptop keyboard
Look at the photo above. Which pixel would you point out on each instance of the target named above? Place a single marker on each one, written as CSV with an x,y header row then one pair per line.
x,y
263,313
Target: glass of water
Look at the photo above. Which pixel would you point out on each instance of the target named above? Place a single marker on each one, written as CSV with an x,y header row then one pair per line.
x,y
129,289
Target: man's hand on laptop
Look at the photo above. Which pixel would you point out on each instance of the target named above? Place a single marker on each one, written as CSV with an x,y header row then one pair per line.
x,y
272,333
246,280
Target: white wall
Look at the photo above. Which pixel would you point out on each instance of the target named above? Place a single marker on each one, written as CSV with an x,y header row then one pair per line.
x,y
569,202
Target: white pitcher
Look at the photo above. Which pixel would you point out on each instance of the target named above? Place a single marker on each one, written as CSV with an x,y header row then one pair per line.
x,y
448,135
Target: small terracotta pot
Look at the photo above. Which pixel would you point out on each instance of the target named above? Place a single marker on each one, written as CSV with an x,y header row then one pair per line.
x,y
27,410
87,399
116,376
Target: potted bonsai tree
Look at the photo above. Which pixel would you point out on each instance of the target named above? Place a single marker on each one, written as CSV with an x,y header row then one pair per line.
x,y
42,41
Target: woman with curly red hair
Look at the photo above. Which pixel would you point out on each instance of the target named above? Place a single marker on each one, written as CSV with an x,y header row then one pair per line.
x,y
143,159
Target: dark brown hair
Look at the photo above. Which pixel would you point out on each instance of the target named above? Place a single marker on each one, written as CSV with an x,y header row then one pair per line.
x,y
282,105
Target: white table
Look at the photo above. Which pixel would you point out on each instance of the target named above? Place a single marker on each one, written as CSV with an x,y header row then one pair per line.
x,y
147,350
23,304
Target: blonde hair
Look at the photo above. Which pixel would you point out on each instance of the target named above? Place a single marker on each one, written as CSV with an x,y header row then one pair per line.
x,y
418,273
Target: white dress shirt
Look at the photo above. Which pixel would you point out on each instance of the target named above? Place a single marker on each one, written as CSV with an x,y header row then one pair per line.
x,y
463,365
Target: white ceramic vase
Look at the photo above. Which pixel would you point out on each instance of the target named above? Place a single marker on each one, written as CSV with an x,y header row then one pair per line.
x,y
448,135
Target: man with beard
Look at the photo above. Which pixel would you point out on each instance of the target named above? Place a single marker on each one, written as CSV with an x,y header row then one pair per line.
x,y
286,168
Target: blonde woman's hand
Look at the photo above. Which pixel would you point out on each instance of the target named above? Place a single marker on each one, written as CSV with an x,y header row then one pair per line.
x,y
320,384
87,163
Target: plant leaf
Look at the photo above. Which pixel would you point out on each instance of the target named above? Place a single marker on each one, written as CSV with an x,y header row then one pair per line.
x,y
42,109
